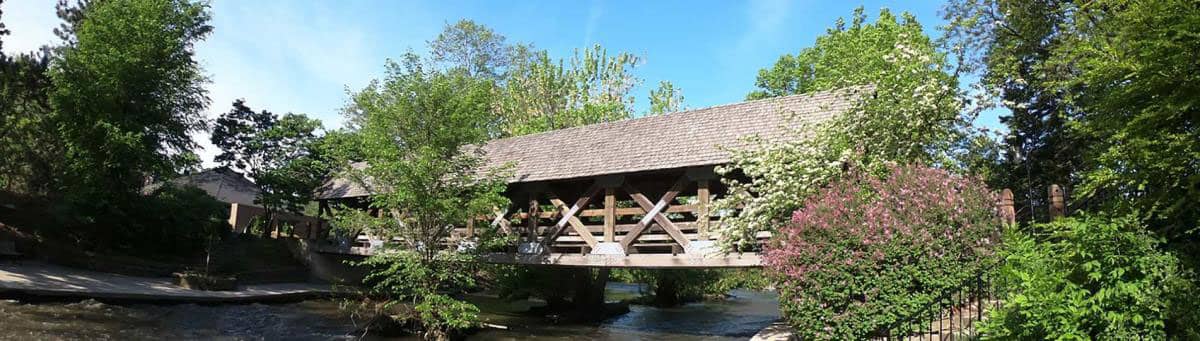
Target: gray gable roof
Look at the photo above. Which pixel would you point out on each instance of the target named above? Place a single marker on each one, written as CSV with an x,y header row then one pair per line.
x,y
222,183
690,138
682,139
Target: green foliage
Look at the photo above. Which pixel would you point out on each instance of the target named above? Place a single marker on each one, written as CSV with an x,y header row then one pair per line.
x,y
1101,94
195,219
866,256
473,48
279,153
419,282
689,285
419,128
1013,43
124,113
541,94
87,123
909,114
27,139
534,92
665,99
1137,80
1091,278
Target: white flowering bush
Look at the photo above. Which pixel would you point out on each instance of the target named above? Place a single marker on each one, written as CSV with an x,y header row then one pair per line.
x,y
906,110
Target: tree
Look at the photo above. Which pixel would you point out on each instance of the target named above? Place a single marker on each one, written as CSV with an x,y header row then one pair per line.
x,y
906,109
123,116
473,48
26,132
279,153
1012,43
541,94
1136,81
537,93
419,129
1111,81
665,99
127,113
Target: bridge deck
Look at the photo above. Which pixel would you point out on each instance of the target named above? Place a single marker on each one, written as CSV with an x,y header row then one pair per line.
x,y
649,260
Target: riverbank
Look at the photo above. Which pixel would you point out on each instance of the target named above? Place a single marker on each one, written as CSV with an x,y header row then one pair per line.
x,y
733,319
37,280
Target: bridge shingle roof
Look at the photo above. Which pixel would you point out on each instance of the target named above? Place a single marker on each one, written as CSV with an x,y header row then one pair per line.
x,y
698,137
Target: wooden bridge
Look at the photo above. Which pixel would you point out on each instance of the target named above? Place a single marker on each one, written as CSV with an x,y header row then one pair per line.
x,y
631,193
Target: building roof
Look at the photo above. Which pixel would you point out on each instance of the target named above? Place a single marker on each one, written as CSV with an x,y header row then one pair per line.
x,y
699,137
222,183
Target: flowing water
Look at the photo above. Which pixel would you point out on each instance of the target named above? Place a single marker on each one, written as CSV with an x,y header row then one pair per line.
x,y
736,318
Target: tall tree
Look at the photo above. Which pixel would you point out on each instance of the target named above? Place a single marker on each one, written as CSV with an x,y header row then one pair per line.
x,y
1097,95
418,128
127,113
1136,78
541,94
279,153
1012,43
472,47
27,140
665,99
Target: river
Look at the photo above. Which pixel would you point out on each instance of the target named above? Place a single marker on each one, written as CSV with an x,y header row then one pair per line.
x,y
737,318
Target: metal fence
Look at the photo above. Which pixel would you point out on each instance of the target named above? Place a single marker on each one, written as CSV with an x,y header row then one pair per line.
x,y
952,316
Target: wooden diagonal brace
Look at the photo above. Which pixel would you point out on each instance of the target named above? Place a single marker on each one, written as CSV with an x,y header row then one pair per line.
x,y
569,214
654,213
573,221
501,220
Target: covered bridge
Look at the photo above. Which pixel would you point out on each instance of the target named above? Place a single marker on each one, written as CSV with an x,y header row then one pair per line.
x,y
630,193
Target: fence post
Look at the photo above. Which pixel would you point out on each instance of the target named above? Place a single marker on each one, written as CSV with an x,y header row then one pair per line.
x,y
1057,203
1008,214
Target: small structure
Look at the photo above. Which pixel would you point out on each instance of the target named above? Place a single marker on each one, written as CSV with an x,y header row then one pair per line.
x,y
228,186
222,183
631,193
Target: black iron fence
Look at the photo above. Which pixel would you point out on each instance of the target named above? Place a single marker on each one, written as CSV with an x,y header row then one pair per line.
x,y
952,316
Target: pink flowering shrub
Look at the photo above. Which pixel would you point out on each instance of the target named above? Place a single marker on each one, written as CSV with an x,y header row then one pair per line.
x,y
866,255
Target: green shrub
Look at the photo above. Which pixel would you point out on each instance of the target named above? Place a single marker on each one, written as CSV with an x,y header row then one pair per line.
x,y
172,221
176,220
866,255
1090,278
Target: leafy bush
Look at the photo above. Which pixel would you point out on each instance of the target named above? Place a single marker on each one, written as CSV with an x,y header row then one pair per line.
x,y
416,289
867,255
181,220
172,221
1092,277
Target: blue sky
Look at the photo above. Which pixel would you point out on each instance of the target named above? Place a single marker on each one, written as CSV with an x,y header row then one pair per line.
x,y
294,56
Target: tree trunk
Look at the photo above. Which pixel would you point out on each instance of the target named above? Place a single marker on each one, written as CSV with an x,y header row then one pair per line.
x,y
269,214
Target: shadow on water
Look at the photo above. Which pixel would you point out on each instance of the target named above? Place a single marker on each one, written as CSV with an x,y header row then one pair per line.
x,y
737,318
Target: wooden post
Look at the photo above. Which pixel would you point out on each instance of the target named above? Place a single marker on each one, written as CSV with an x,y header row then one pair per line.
x,y
1008,214
704,199
610,214
534,212
1057,203
471,227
